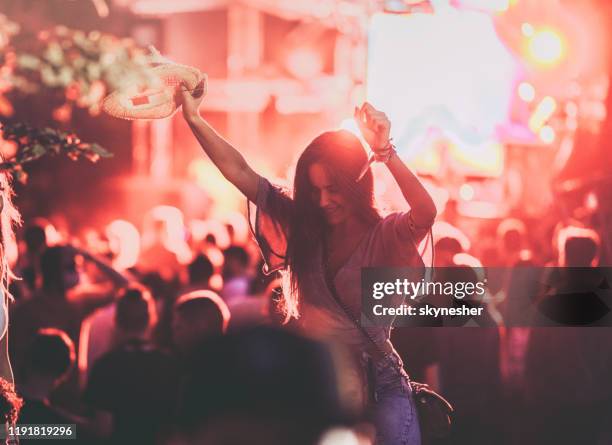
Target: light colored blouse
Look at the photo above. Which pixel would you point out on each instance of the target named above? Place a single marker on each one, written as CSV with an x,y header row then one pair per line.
x,y
392,242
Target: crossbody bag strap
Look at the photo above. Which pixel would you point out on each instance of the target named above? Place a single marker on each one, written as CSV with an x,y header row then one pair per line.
x,y
329,280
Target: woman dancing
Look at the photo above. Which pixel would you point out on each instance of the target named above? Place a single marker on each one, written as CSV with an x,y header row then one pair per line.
x,y
324,233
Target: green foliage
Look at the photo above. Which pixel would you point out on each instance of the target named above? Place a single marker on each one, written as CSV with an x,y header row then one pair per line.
x,y
30,144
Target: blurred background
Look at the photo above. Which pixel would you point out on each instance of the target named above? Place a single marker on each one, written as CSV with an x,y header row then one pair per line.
x,y
490,100
502,108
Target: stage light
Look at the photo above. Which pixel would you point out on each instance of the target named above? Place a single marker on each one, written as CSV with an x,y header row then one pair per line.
x,y
124,240
496,6
466,192
527,29
546,47
526,91
547,134
467,106
571,109
591,202
542,113
501,5
304,63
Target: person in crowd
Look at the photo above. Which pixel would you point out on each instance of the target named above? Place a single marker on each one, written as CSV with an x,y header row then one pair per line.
x,y
60,303
449,241
241,388
155,255
324,234
197,316
468,366
98,335
236,279
570,357
511,239
578,247
200,270
49,360
256,309
445,249
135,383
35,240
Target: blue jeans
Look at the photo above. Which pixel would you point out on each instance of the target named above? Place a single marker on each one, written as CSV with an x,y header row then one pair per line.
x,y
395,414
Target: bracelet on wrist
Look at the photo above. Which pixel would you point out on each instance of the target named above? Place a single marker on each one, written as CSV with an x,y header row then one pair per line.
x,y
385,154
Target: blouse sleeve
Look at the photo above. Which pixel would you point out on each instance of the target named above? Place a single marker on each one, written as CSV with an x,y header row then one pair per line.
x,y
408,230
270,224
400,239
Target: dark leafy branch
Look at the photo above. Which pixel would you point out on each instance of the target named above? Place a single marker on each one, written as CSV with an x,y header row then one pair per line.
x,y
31,143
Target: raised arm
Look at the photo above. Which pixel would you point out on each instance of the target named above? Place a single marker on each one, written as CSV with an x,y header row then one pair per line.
x,y
421,204
228,160
119,279
375,127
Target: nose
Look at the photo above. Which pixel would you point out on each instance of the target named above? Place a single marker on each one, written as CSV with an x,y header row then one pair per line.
x,y
324,199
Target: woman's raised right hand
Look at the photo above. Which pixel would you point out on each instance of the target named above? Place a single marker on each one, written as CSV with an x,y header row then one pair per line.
x,y
191,100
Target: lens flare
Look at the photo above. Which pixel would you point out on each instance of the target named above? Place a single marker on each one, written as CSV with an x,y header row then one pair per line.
x,y
546,47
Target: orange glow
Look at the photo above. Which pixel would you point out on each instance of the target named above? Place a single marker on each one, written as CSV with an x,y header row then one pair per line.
x,y
304,63
174,231
124,240
209,178
486,158
546,47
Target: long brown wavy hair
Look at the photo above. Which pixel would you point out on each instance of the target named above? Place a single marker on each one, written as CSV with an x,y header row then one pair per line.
x,y
343,156
9,218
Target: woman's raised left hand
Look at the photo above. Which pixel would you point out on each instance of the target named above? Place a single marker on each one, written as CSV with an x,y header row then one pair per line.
x,y
374,126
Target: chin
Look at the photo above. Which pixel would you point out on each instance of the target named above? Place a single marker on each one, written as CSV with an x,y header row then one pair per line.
x,y
336,219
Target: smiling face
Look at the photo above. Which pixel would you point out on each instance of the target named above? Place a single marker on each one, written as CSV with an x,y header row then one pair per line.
x,y
326,194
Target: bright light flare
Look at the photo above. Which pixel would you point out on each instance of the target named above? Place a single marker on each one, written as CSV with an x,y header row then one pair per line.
x,y
487,5
209,178
591,202
466,191
435,86
527,29
526,92
542,113
174,228
546,47
547,134
124,240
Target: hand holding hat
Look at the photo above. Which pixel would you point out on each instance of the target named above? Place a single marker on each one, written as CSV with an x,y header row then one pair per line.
x,y
160,99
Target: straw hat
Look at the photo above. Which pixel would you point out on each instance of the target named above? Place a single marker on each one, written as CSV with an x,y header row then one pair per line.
x,y
158,100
